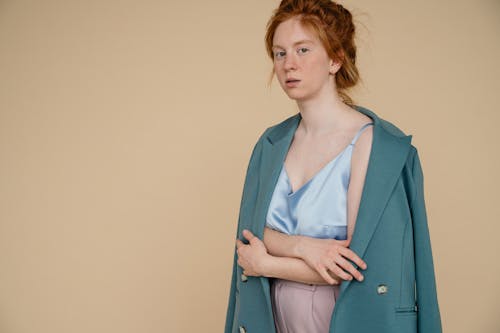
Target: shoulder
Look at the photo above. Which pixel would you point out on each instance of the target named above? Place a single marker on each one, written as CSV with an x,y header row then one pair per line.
x,y
281,128
361,153
391,129
283,124
387,126
390,138
273,131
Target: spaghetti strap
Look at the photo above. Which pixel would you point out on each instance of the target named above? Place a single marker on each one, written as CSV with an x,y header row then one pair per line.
x,y
359,133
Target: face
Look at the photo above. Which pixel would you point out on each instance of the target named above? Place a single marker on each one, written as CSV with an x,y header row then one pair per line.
x,y
300,57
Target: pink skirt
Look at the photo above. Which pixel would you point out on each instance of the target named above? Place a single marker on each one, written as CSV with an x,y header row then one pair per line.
x,y
299,307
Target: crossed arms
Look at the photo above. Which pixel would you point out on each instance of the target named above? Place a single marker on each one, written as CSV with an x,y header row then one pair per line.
x,y
308,259
298,258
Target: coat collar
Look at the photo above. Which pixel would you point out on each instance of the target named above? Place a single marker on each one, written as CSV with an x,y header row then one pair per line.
x,y
390,147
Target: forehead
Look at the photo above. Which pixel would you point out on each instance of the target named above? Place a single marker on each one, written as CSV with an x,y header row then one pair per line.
x,y
292,32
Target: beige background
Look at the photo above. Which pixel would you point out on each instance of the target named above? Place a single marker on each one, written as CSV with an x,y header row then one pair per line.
x,y
126,129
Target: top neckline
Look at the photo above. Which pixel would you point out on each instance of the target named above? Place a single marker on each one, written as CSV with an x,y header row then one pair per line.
x,y
292,192
353,141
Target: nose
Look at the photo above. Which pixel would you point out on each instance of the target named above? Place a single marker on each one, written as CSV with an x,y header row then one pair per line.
x,y
290,62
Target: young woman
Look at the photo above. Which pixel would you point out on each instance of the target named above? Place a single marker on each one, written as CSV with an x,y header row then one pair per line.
x,y
332,207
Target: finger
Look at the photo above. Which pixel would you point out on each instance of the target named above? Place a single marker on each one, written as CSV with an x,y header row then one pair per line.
x,y
252,239
327,277
239,243
248,235
335,269
335,279
348,253
344,264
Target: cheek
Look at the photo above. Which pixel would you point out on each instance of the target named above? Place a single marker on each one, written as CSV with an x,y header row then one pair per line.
x,y
318,73
318,67
278,69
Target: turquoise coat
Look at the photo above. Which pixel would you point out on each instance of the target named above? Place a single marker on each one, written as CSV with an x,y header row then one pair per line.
x,y
398,293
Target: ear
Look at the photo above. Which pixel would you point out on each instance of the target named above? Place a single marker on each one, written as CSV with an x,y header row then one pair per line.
x,y
334,66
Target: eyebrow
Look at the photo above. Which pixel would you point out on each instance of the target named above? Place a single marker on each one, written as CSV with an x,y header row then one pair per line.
x,y
296,43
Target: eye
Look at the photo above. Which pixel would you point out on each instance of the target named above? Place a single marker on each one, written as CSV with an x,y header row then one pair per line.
x,y
303,50
279,54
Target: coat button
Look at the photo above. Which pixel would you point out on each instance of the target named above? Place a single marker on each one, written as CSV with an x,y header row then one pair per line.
x,y
244,278
381,289
243,329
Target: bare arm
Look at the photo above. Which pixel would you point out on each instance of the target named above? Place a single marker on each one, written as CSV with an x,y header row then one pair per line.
x,y
359,167
293,269
325,256
256,261
280,244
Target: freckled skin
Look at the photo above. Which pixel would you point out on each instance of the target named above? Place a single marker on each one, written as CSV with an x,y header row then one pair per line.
x,y
308,62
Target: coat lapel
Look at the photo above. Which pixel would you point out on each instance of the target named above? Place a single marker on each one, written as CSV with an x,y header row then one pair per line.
x,y
387,157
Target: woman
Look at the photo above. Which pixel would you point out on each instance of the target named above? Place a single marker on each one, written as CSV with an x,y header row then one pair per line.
x,y
311,179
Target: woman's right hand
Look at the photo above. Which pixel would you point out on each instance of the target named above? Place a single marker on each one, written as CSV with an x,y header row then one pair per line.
x,y
330,254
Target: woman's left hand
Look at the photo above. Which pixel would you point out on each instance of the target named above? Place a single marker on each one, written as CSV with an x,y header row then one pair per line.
x,y
253,256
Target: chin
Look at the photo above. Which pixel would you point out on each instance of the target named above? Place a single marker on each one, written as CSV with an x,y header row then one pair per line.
x,y
296,95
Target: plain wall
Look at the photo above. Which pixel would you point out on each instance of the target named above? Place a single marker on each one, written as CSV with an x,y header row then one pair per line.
x,y
125,132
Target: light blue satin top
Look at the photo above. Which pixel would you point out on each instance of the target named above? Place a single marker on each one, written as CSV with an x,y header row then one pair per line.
x,y
319,207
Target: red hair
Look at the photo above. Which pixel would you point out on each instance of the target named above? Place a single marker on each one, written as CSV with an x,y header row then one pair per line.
x,y
333,25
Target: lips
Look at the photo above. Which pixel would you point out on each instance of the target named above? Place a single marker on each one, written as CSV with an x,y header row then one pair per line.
x,y
292,83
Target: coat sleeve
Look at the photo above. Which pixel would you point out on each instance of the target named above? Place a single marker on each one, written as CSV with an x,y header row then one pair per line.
x,y
429,319
249,189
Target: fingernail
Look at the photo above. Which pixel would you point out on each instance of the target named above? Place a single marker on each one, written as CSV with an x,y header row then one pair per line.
x,y
361,278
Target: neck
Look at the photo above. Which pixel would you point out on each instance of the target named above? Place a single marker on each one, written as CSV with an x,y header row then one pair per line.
x,y
323,115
